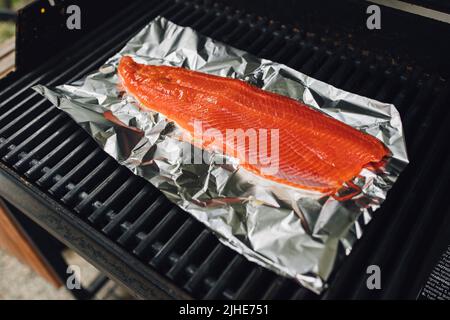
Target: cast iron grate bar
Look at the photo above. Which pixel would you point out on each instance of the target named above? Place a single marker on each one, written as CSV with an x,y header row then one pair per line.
x,y
146,220
124,215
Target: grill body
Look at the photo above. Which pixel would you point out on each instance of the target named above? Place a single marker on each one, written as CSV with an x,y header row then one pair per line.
x,y
56,174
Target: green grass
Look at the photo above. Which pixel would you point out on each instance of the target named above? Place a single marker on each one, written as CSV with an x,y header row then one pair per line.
x,y
7,30
16,4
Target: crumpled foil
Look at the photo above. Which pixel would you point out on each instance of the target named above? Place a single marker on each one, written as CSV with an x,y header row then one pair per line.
x,y
296,233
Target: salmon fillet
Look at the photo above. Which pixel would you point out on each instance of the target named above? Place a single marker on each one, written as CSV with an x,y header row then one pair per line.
x,y
315,151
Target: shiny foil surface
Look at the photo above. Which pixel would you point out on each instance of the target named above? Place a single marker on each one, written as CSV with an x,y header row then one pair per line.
x,y
296,233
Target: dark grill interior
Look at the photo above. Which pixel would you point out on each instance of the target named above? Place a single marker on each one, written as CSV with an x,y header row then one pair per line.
x,y
49,150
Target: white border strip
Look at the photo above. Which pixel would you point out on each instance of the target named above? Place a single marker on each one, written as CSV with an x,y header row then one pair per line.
x,y
415,9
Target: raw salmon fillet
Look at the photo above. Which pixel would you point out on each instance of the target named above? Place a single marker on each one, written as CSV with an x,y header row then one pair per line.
x,y
315,151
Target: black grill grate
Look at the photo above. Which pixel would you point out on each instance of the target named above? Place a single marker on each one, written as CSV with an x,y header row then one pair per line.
x,y
49,150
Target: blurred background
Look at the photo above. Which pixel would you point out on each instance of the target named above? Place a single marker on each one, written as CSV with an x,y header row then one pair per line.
x,y
8,9
8,14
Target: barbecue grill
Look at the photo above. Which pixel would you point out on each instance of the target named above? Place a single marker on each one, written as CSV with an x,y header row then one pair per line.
x,y
53,172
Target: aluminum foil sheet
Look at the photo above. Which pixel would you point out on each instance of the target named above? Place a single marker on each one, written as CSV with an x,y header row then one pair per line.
x,y
296,233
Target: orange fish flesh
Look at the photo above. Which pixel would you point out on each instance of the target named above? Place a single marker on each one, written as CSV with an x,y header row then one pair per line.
x,y
315,151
